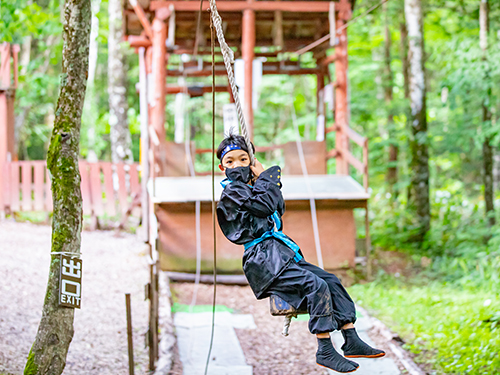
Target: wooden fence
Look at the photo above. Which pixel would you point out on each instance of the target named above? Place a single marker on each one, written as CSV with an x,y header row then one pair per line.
x,y
107,188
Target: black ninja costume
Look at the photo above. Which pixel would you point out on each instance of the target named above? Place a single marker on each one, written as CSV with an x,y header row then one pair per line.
x,y
272,262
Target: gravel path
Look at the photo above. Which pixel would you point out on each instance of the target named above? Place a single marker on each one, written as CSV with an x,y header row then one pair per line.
x,y
265,348
112,266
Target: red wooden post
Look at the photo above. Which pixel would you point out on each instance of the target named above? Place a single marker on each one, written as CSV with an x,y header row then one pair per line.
x,y
320,106
39,177
7,95
26,180
341,104
108,188
14,189
85,188
95,189
159,71
48,191
248,47
122,188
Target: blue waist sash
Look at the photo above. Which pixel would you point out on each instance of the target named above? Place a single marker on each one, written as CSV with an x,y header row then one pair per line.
x,y
278,234
275,232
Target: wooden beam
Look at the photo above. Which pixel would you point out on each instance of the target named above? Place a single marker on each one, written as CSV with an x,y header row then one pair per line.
x,y
327,60
248,48
237,6
351,159
195,90
257,149
137,41
332,154
142,18
222,72
313,44
331,129
355,137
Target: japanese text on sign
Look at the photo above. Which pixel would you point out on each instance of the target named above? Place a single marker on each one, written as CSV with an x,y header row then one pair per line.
x,y
70,282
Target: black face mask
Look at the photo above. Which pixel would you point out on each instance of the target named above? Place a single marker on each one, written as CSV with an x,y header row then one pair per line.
x,y
242,174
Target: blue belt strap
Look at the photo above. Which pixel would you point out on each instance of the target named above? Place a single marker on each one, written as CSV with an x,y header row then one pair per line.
x,y
275,232
278,234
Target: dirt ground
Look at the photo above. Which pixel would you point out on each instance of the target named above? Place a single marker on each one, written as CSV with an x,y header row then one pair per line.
x,y
112,266
265,348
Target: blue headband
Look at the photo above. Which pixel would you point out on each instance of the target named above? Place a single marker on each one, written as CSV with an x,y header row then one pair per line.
x,y
228,148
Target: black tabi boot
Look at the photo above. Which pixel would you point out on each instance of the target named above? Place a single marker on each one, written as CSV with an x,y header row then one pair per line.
x,y
328,357
354,347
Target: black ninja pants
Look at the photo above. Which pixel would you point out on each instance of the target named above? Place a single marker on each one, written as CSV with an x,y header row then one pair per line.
x,y
303,285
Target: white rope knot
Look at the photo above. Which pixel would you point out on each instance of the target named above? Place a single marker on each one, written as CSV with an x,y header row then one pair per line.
x,y
73,255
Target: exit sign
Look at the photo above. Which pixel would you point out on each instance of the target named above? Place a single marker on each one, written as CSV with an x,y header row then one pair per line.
x,y
70,282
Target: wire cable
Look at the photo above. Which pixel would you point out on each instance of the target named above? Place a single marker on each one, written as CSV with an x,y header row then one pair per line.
x,y
212,40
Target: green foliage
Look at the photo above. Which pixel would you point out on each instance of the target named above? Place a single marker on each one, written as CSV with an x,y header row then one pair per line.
x,y
453,329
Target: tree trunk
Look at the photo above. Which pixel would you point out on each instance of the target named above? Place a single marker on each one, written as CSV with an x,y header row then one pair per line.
x,y
487,149
406,79
418,141
55,332
90,114
392,171
117,86
20,120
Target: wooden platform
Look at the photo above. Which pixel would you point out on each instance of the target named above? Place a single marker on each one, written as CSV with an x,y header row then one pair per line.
x,y
191,189
336,197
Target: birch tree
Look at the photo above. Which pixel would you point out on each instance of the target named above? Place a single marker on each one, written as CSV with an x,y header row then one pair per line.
x,y
486,116
55,331
418,119
117,86
392,172
90,109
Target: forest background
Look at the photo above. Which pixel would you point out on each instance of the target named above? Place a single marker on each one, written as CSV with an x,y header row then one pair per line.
x,y
445,301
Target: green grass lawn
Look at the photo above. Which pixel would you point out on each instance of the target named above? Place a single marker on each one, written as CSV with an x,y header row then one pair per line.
x,y
454,330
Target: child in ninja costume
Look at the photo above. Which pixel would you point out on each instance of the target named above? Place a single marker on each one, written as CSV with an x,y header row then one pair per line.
x,y
249,213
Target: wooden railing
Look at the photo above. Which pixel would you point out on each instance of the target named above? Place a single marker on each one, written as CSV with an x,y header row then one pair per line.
x,y
107,188
361,166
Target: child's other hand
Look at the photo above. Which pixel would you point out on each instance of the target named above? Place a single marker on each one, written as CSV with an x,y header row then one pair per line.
x,y
257,169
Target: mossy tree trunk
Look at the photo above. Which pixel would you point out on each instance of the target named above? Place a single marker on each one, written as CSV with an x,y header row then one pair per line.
x,y
55,332
418,119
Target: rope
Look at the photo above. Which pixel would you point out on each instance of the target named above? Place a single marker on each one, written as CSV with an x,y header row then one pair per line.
x,y
187,148
228,56
312,200
212,39
337,31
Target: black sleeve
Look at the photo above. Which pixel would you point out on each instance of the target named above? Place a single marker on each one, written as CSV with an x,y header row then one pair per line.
x,y
266,194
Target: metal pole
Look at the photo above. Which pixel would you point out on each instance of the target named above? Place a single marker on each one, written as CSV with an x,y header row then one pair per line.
x,y
129,335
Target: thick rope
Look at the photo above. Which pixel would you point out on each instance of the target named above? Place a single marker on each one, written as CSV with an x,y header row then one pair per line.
x,y
228,55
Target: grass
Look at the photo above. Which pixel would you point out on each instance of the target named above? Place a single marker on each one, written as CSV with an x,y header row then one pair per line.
x,y
451,329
